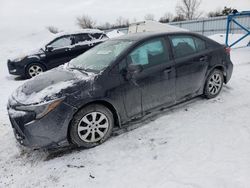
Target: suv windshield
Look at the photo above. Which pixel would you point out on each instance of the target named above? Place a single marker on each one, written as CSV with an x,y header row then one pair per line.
x,y
101,56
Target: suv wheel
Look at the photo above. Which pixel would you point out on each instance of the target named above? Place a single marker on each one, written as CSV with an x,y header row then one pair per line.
x,y
34,69
214,84
91,126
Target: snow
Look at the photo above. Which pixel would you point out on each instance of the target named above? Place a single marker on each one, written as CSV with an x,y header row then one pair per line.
x,y
78,32
38,97
221,38
201,143
34,41
152,26
16,113
115,33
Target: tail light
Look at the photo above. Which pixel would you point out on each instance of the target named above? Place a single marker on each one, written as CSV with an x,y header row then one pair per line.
x,y
227,50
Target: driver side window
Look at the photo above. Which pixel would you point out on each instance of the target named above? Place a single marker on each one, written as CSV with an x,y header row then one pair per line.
x,y
151,53
62,42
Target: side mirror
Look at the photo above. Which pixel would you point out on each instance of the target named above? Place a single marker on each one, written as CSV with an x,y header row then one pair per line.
x,y
49,48
134,69
130,72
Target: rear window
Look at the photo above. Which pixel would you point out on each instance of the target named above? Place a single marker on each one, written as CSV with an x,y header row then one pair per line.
x,y
98,36
200,44
82,38
184,45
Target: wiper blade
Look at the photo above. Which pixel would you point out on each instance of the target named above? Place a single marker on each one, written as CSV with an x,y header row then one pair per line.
x,y
79,69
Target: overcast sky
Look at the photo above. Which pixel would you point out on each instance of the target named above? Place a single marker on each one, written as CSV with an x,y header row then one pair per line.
x,y
37,14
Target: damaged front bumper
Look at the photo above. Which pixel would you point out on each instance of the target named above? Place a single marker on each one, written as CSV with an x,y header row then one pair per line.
x,y
49,132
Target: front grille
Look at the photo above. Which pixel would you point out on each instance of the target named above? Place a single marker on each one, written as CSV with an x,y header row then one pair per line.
x,y
17,129
10,65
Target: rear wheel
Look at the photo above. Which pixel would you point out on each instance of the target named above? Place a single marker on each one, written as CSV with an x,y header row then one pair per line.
x,y
91,126
214,84
34,69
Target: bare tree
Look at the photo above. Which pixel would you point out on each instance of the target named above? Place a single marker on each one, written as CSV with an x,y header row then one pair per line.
x,y
122,22
150,17
168,17
53,29
106,25
224,12
85,22
178,18
189,8
215,13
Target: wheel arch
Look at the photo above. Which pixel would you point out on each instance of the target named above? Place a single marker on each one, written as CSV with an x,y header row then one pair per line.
x,y
35,61
221,68
117,121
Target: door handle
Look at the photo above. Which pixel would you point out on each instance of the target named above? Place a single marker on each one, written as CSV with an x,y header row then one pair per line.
x,y
167,70
203,58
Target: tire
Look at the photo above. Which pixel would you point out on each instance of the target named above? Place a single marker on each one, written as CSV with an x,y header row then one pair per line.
x,y
34,69
214,84
84,132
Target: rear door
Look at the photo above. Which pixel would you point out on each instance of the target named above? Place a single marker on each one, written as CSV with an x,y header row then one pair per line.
x,y
192,60
155,84
82,43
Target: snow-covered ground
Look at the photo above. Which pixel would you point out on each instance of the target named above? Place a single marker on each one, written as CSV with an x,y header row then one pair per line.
x,y
203,143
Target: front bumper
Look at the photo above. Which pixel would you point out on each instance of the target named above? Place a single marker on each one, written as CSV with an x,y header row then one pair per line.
x,y
16,68
49,132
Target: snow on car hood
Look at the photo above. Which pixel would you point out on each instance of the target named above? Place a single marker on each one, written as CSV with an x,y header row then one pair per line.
x,y
48,85
27,53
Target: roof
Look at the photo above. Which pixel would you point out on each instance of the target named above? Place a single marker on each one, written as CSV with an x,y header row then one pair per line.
x,y
146,35
77,32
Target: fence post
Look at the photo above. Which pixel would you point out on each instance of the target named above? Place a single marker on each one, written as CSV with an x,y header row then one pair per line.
x,y
203,26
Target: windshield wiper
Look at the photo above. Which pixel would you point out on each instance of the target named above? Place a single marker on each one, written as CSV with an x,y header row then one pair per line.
x,y
79,69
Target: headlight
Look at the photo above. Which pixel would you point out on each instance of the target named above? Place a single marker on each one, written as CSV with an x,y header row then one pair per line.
x,y
41,109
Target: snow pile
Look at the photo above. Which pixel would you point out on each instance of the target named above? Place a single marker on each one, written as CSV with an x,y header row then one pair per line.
x,y
115,33
221,38
70,32
152,26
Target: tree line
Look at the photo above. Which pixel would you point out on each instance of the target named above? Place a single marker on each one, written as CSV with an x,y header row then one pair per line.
x,y
185,10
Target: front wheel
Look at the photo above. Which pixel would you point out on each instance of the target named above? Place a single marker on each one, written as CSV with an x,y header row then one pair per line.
x,y
34,69
213,84
91,126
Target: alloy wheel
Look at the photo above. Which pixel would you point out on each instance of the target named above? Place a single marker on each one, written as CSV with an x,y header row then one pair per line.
x,y
35,70
93,127
215,83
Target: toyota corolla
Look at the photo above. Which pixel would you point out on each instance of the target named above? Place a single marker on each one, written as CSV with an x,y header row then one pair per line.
x,y
120,80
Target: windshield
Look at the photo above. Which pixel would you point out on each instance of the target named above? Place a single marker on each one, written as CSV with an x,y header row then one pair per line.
x,y
101,56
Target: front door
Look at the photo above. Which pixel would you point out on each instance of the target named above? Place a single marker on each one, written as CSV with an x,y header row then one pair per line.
x,y
60,51
155,84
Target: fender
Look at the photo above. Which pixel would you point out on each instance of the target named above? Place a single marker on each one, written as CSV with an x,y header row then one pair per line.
x,y
107,103
34,59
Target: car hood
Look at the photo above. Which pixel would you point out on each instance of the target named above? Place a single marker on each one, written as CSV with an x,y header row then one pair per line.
x,y
50,85
25,54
